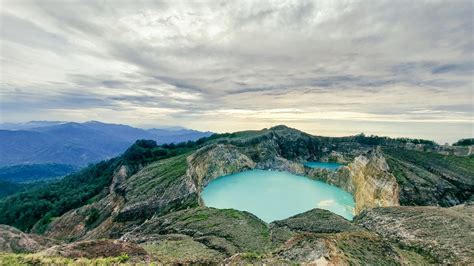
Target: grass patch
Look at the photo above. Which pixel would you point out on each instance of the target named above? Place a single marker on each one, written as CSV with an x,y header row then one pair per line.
x,y
233,213
185,250
39,259
252,256
199,217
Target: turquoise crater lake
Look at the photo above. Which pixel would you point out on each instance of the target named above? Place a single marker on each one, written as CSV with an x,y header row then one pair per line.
x,y
323,165
274,195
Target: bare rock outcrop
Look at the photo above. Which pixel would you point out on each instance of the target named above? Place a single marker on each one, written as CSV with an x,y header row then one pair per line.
x,y
216,160
93,220
367,178
446,234
374,185
16,241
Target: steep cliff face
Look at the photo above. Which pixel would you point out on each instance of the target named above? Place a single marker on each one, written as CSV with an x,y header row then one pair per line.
x,y
91,220
216,160
367,178
374,185
339,178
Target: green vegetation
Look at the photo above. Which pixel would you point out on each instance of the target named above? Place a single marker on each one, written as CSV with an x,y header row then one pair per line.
x,y
147,151
40,259
37,206
25,209
163,178
9,188
19,178
462,167
376,140
428,178
235,231
93,217
123,258
182,250
362,248
34,172
328,222
464,142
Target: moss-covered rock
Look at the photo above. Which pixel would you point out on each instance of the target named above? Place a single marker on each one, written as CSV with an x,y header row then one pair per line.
x,y
181,249
317,221
97,249
228,231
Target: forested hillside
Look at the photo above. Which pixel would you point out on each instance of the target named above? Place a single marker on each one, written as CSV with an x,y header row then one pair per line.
x,y
46,202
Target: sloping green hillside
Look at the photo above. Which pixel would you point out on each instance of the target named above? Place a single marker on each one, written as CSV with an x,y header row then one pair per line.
x,y
428,178
9,188
40,205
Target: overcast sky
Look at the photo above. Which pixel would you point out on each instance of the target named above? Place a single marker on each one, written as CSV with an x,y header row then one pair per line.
x,y
397,68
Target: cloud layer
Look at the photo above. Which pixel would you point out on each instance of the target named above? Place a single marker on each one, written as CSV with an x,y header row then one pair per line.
x,y
229,65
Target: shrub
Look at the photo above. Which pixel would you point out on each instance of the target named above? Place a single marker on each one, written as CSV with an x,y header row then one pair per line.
x,y
93,216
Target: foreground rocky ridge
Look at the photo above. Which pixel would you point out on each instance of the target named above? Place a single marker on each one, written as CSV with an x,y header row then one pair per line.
x,y
394,235
446,234
14,240
157,206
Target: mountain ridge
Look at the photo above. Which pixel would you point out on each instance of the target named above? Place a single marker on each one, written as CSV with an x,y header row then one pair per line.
x,y
79,144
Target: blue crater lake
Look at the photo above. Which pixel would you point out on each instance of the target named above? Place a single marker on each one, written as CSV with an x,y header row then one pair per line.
x,y
323,165
273,195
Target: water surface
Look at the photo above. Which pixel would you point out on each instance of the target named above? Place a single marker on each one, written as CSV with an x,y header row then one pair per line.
x,y
324,165
273,195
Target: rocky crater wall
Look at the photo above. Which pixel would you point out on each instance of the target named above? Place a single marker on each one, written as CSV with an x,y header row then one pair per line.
x,y
367,178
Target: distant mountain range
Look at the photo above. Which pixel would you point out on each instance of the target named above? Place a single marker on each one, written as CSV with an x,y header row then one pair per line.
x,y
78,144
